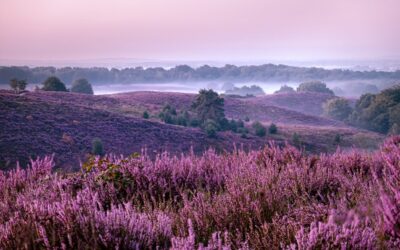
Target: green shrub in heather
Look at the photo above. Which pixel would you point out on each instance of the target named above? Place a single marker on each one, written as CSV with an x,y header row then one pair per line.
x,y
211,128
273,129
146,115
259,129
97,147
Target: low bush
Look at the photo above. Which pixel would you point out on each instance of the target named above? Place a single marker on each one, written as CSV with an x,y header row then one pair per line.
x,y
259,129
273,129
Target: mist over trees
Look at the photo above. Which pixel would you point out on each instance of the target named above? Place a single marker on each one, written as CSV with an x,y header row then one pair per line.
x,y
285,90
314,86
266,72
82,86
253,90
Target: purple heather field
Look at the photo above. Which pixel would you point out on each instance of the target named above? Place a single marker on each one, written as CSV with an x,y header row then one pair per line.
x,y
199,125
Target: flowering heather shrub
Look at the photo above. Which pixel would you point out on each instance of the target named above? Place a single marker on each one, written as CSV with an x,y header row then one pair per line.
x,y
275,198
351,234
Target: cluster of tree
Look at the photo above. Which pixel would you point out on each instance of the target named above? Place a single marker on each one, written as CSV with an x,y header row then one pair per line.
x,y
338,109
314,86
376,112
207,112
379,112
285,90
53,83
18,85
311,86
253,90
171,116
266,72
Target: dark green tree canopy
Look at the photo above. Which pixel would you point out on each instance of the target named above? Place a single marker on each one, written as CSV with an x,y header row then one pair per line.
x,y
208,105
378,112
314,86
337,108
82,86
54,84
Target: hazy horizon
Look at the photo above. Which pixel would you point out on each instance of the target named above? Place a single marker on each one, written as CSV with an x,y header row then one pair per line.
x,y
217,31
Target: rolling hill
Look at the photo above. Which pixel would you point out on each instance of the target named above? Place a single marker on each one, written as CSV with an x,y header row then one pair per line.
x,y
41,123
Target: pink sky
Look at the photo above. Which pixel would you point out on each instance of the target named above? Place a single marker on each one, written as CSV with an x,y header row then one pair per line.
x,y
200,29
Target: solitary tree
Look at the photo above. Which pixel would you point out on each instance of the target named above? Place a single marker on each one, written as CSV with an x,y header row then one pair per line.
x,y
18,85
54,84
208,105
82,86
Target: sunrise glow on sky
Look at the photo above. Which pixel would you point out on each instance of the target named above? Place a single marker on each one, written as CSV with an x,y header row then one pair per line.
x,y
199,29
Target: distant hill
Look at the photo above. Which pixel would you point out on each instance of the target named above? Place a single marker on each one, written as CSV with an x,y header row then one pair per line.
x,y
182,73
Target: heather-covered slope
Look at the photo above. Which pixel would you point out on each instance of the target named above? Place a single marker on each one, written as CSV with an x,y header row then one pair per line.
x,y
42,123
270,199
305,102
282,108
37,124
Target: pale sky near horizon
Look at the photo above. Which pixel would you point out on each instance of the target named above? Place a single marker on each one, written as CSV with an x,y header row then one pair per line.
x,y
200,29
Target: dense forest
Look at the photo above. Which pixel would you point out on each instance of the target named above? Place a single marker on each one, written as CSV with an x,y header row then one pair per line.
x,y
266,72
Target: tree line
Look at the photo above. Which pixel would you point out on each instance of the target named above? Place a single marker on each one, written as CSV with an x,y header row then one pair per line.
x,y
53,83
266,72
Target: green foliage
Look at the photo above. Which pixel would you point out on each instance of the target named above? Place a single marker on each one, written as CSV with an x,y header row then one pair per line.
x,y
146,115
168,114
97,147
18,85
253,90
54,84
209,106
285,89
378,112
314,86
211,128
259,129
273,129
337,108
82,86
